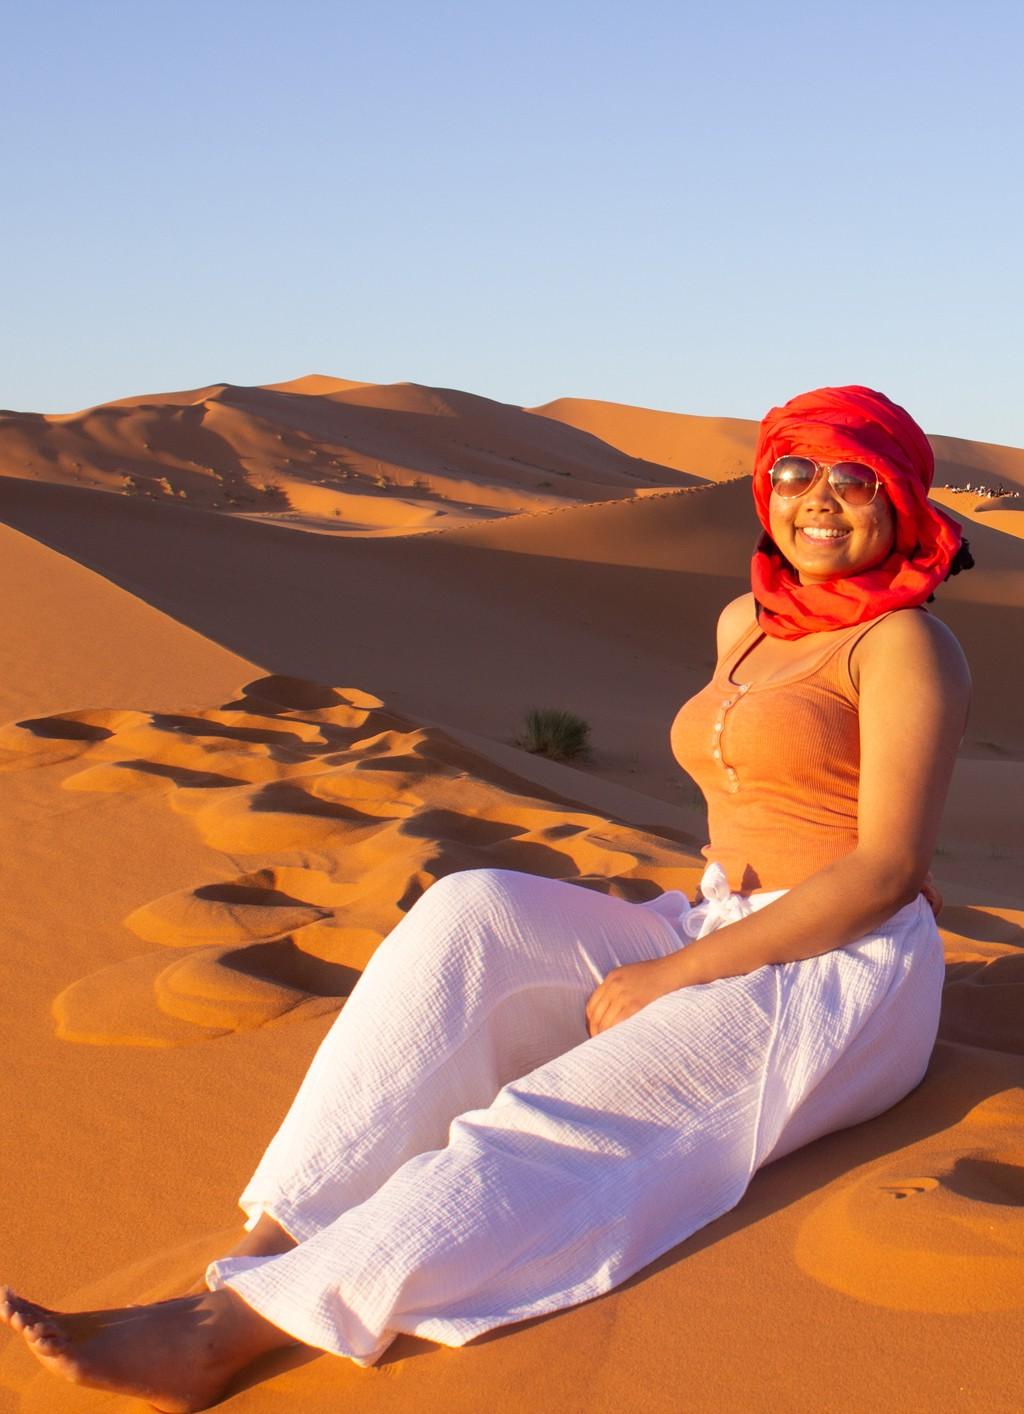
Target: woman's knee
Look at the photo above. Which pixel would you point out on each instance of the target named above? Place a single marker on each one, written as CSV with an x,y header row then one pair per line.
x,y
471,889
478,908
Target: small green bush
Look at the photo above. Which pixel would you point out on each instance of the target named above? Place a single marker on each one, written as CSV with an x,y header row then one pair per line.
x,y
562,736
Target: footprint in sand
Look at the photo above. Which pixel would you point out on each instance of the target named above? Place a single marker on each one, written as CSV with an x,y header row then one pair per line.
x,y
946,1237
909,1187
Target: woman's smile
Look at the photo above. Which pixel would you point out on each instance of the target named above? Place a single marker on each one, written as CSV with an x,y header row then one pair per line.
x,y
818,532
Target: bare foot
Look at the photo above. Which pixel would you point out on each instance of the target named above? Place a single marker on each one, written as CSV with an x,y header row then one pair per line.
x,y
180,1355
267,1239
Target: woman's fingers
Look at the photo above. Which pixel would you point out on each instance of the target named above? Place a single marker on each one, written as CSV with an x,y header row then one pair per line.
x,y
628,989
931,892
599,1006
595,1009
611,1002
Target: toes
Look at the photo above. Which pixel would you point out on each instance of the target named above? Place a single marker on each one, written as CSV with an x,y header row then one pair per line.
x,y
29,1326
45,1338
28,1319
11,1304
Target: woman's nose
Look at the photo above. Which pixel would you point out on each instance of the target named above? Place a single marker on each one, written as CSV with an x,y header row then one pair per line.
x,y
821,494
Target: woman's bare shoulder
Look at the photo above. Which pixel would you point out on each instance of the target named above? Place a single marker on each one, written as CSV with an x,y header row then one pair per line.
x,y
734,620
912,642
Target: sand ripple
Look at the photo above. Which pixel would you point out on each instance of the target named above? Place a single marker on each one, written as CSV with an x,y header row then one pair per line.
x,y
349,810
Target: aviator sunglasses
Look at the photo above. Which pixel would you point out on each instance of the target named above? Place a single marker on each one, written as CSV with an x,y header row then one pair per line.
x,y
853,482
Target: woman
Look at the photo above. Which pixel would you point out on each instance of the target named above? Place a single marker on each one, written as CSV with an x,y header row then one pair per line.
x,y
535,1089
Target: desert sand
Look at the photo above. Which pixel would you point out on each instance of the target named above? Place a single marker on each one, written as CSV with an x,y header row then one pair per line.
x,y
266,653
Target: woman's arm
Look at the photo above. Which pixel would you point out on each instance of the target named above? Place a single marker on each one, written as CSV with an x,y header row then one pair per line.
x,y
914,696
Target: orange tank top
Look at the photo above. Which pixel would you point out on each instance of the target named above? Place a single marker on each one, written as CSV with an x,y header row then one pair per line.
x,y
778,764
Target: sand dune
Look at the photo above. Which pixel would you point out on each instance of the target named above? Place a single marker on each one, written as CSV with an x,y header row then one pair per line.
x,y
352,457
705,530
983,463
1002,513
206,836
717,448
71,637
720,448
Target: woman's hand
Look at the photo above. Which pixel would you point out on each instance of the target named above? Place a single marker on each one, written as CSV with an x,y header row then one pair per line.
x,y
628,989
931,893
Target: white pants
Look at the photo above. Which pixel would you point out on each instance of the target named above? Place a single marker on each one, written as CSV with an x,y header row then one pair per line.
x,y
462,1155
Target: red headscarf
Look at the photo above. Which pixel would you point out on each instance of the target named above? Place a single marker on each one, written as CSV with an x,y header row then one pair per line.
x,y
852,424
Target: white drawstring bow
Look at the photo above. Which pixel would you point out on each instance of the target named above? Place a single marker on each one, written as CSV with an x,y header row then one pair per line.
x,y
718,907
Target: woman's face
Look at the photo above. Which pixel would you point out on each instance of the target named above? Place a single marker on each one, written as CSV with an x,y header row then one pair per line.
x,y
823,538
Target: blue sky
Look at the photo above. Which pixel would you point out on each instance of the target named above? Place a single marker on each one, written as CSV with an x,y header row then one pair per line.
x,y
706,209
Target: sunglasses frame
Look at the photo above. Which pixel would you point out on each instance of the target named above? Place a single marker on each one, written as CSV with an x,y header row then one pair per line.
x,y
828,468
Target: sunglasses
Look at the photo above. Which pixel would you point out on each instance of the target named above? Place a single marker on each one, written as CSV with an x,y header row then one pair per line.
x,y
853,482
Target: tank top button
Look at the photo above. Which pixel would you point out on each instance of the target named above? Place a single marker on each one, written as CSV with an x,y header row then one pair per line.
x,y
744,686
717,754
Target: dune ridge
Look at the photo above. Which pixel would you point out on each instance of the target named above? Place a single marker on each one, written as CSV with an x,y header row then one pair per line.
x,y
358,458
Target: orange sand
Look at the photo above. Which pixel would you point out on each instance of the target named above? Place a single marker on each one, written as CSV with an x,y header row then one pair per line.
x,y
202,848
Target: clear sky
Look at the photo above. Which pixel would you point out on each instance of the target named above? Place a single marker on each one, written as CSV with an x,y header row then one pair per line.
x,y
705,208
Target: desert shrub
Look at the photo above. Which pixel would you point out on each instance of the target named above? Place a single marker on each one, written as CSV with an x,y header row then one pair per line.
x,y
560,735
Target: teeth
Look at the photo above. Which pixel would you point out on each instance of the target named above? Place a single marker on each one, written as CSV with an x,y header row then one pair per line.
x,y
818,533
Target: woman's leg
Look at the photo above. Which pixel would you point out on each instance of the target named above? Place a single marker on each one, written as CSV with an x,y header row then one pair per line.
x,y
586,1169
573,1178
485,978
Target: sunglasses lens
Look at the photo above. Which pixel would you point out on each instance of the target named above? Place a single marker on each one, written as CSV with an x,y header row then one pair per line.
x,y
792,476
854,483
